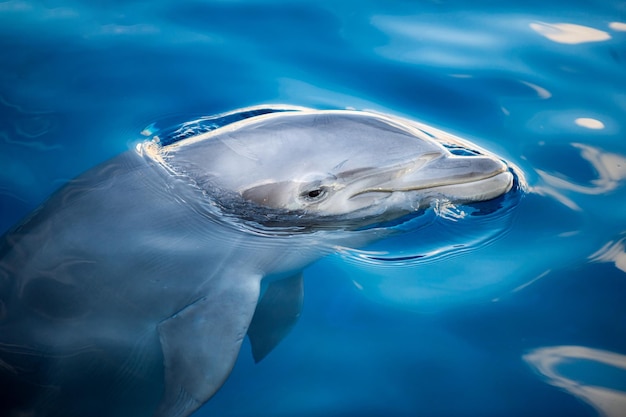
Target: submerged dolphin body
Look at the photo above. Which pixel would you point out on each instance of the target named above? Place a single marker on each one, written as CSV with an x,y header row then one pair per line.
x,y
129,292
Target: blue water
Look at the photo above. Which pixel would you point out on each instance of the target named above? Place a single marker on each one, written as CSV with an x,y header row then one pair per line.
x,y
519,313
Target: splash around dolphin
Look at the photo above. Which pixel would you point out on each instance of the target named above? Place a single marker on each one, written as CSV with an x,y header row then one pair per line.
x,y
130,290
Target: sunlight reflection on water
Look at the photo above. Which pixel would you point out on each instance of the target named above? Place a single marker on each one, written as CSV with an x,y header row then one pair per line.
x,y
571,368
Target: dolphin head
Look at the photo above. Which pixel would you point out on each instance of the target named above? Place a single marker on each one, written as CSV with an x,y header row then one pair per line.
x,y
340,164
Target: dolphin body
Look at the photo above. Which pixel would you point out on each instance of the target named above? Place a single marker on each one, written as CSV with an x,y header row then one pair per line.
x,y
130,290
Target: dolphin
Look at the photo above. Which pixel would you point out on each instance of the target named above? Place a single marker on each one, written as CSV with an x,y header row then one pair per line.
x,y
130,290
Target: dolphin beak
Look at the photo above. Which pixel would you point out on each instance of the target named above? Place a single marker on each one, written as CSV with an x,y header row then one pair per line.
x,y
459,179
454,170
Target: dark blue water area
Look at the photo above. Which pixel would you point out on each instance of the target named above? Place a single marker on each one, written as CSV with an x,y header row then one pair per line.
x,y
520,312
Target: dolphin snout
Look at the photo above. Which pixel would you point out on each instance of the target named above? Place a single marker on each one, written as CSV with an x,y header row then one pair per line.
x,y
488,166
450,170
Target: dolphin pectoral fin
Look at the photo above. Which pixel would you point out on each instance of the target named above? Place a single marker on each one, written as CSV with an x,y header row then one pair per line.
x,y
275,315
200,345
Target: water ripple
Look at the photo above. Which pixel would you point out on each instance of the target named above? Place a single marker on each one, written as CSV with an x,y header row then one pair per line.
x,y
593,375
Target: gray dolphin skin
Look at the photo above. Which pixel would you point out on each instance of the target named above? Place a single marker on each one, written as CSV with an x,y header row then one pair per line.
x,y
130,290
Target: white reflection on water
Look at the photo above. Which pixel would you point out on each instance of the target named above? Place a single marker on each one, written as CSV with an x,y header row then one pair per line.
x,y
569,33
558,196
612,251
589,123
571,120
532,281
541,92
138,29
595,376
444,41
619,26
611,169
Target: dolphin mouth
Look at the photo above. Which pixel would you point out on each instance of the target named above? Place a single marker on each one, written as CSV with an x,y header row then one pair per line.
x,y
466,185
475,190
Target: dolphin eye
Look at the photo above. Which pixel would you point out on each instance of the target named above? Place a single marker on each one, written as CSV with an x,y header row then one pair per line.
x,y
314,194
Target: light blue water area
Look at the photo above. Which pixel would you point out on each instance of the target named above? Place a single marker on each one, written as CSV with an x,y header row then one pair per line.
x,y
518,312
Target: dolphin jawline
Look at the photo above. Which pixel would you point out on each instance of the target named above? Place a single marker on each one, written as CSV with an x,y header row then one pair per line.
x,y
434,185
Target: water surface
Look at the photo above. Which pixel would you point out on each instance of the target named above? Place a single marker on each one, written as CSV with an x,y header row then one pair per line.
x,y
516,313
